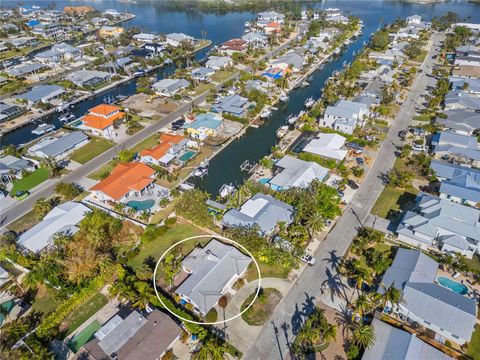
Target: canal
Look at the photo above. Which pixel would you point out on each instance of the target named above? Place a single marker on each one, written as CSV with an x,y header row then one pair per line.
x,y
153,16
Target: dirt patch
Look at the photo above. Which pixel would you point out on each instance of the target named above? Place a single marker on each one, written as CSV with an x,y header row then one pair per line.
x,y
150,107
263,307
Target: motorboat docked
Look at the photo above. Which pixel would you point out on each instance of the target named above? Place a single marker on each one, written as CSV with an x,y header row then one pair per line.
x,y
266,114
226,190
43,129
282,131
292,119
304,83
62,107
139,72
309,102
284,98
67,117
201,171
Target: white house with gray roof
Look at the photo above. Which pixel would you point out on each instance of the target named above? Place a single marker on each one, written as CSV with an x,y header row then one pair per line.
x,y
218,62
345,115
269,16
59,147
460,121
255,39
176,39
441,223
41,93
169,87
292,61
262,211
459,99
212,271
469,85
62,219
450,315
456,147
292,172
59,52
327,145
234,105
12,166
88,77
392,343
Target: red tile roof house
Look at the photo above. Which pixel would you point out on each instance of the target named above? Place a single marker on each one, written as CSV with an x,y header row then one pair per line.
x,y
100,120
273,27
233,46
165,152
126,181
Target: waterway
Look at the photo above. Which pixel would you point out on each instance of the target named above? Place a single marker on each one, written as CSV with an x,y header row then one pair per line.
x,y
153,16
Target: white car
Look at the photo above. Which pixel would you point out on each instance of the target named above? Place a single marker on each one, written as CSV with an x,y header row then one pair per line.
x,y
419,148
309,259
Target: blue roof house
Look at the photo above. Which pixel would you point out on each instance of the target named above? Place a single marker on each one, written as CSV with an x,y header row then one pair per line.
x,y
204,125
234,104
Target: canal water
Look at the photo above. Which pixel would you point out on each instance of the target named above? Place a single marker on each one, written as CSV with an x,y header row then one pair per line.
x,y
153,16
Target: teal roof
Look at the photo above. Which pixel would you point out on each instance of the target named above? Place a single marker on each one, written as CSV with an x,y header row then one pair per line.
x,y
210,121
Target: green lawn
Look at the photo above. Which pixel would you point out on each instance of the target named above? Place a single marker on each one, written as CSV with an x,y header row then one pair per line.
x,y
222,75
201,88
148,143
474,262
158,246
392,201
85,311
107,168
266,270
32,180
474,345
84,336
421,56
45,302
95,147
24,223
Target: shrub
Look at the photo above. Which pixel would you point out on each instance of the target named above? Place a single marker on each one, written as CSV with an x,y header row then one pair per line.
x,y
170,221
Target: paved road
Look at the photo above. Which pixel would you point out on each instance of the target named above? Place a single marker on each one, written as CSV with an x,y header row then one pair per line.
x,y
275,338
10,213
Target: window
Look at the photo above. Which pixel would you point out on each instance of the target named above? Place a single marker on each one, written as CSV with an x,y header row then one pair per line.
x,y
455,336
426,322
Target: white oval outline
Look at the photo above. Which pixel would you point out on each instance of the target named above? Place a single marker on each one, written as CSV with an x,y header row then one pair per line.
x,y
215,237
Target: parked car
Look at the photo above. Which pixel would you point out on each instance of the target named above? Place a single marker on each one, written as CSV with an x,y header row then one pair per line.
x,y
419,148
309,259
340,193
353,145
352,184
360,161
327,222
20,195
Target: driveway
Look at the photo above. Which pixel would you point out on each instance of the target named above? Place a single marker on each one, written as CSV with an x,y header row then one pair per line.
x,y
289,314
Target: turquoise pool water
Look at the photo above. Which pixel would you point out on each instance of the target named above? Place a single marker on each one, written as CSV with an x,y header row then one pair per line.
x,y
452,285
187,156
264,181
8,305
141,205
76,123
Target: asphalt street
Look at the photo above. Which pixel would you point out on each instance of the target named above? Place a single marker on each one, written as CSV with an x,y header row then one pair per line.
x,y
278,334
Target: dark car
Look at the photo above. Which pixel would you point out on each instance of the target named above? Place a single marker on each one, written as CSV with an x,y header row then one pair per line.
x,y
360,161
352,184
403,134
353,145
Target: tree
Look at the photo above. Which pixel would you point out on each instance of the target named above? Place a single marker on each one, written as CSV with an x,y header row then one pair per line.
x,y
315,223
363,305
413,50
391,296
420,163
126,155
380,40
171,266
42,207
212,349
192,206
400,179
52,165
67,191
363,336
81,261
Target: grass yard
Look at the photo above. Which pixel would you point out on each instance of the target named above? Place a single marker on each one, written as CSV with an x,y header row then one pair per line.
x,y
148,143
95,147
267,271
107,168
84,336
201,88
84,312
24,223
391,201
474,262
420,57
380,247
158,246
262,308
30,181
474,345
222,75
45,302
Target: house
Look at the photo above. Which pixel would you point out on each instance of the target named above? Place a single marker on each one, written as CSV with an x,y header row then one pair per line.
x,y
394,343
269,16
344,115
125,180
145,37
467,71
21,42
59,148
42,93
165,152
259,85
468,50
456,147
25,70
154,47
101,119
9,112
436,222
292,172
218,62
469,85
88,78
234,105
460,121
62,52
110,31
448,314
50,30
131,335
212,271
4,277
255,39
234,46
176,39
327,145
414,19
11,167
273,28
204,125
459,99
202,73
169,87
458,183
292,61
261,211
118,63
62,219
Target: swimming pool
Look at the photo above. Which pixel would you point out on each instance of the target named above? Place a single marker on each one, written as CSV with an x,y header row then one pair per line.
x,y
452,285
264,181
8,306
76,123
187,156
141,205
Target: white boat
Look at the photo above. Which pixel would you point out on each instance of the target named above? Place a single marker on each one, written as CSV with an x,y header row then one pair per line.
x,y
61,108
247,24
304,83
226,190
67,117
292,119
265,114
282,131
201,171
284,98
309,102
43,129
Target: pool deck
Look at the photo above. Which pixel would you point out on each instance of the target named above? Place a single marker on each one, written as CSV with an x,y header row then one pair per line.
x,y
473,290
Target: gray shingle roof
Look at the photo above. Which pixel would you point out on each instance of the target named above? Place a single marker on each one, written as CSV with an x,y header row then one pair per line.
x,y
463,99
170,84
262,210
233,104
346,109
41,92
460,119
456,144
291,59
9,162
22,70
459,181
212,268
297,173
62,144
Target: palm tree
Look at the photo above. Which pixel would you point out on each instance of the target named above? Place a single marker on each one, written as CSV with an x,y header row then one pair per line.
x,y
144,295
364,336
211,349
363,305
329,332
361,275
314,223
391,295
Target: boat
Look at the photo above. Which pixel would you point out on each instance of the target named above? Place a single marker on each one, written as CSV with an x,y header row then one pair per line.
x,y
282,131
201,171
304,83
120,97
292,119
309,102
61,108
43,129
67,117
284,98
247,24
226,190
266,114
109,99
140,72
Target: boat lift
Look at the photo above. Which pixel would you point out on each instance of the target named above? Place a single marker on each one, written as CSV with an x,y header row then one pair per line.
x,y
248,167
